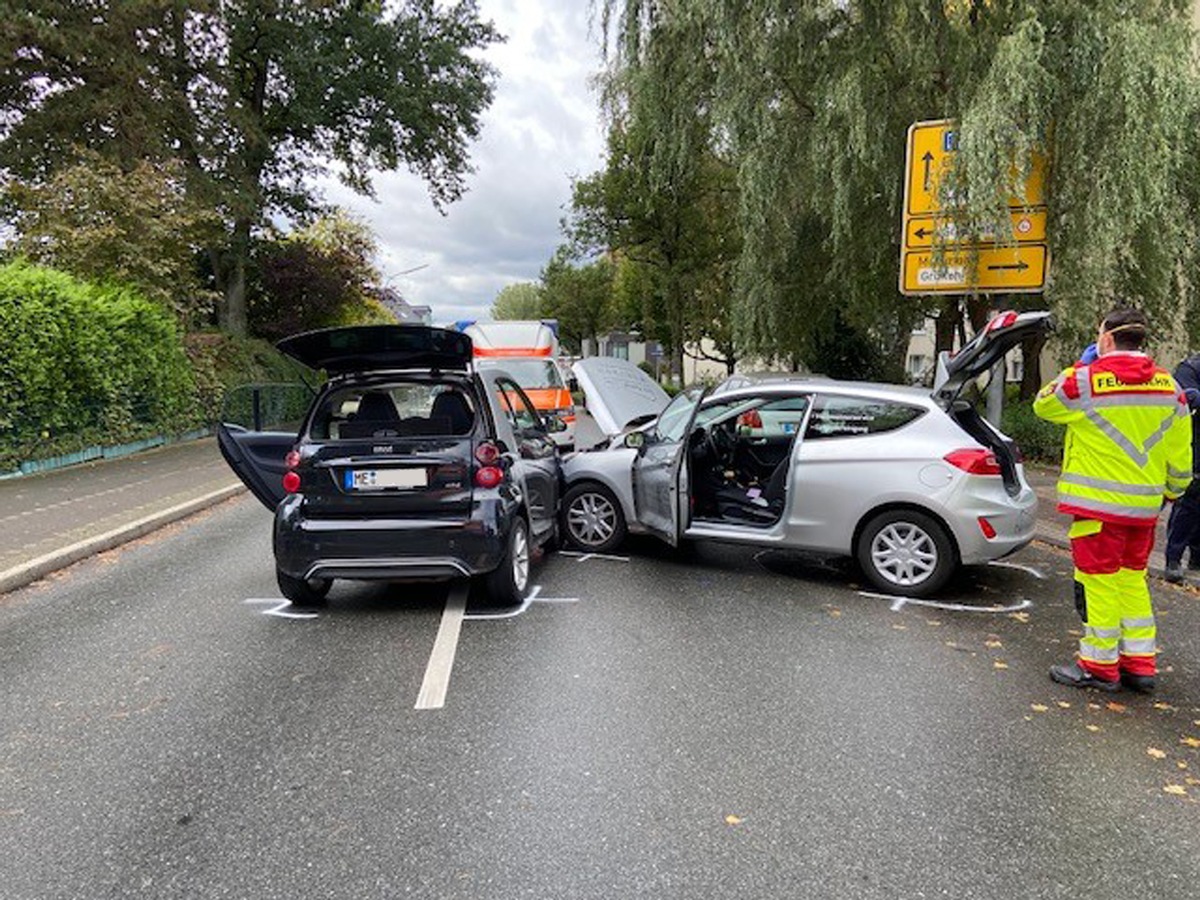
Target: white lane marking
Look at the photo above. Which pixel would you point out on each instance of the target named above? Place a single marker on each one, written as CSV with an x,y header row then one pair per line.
x,y
535,596
584,557
441,660
281,608
1024,568
898,603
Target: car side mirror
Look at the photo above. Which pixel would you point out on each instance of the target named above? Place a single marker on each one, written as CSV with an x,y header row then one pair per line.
x,y
635,440
555,425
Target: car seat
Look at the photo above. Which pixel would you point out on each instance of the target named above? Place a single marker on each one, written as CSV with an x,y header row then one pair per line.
x,y
756,505
451,414
376,416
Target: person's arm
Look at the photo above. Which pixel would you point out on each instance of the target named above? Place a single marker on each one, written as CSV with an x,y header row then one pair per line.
x,y
1178,442
1058,400
1187,374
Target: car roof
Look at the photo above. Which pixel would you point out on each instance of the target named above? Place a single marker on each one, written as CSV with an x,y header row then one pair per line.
x,y
787,384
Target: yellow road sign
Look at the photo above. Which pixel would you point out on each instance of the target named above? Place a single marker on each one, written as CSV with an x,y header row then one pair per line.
x,y
928,221
920,231
930,158
1019,269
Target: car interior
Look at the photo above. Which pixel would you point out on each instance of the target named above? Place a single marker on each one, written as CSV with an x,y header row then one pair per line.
x,y
402,411
739,461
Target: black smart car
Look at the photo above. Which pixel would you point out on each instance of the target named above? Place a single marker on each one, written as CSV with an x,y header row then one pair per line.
x,y
408,465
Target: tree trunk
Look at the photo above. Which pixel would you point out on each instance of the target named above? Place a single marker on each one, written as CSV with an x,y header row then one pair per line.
x,y
231,281
947,323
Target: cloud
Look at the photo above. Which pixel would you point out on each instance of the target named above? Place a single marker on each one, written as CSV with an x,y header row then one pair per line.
x,y
542,130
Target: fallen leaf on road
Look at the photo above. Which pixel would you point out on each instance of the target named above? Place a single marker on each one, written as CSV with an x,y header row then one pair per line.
x,y
999,664
733,820
1190,741
900,627
1165,706
1156,753
1037,707
932,622
1114,706
1180,764
1063,704
1177,789
1192,781
1093,705
1092,727
994,645
1019,616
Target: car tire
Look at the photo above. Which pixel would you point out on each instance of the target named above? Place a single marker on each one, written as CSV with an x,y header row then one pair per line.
x,y
303,591
906,552
507,584
592,520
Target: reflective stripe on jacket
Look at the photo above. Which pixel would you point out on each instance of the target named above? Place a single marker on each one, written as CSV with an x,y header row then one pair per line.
x,y
1129,437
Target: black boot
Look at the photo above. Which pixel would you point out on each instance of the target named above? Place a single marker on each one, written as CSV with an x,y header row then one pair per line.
x,y
1143,684
1075,675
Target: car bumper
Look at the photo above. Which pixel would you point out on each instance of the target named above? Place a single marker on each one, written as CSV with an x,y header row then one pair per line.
x,y
1013,519
391,549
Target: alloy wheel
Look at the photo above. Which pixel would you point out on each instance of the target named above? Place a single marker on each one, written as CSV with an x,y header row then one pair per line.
x,y
591,519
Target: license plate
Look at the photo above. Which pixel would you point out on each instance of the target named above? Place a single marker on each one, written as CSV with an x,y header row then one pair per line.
x,y
380,479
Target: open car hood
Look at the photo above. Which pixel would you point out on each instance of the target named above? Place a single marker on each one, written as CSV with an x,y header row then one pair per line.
x,y
1004,332
618,393
366,348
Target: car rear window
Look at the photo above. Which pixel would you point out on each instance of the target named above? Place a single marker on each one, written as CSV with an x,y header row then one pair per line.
x,y
834,417
394,410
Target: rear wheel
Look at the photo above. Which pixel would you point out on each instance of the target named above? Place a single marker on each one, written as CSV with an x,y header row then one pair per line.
x,y
508,583
592,520
303,591
906,552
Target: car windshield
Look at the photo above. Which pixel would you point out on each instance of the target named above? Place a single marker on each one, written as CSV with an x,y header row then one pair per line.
x,y
531,374
674,419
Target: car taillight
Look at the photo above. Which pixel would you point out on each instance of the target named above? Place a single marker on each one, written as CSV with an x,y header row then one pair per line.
x,y
974,461
489,476
291,482
487,453
292,460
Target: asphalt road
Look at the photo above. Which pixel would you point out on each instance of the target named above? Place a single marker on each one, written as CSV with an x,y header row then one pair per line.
x,y
709,723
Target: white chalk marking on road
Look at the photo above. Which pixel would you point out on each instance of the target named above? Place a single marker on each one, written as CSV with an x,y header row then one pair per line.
x,y
441,660
281,608
898,603
1024,568
584,557
534,596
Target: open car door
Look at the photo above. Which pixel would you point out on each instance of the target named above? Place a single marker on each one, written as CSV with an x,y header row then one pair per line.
x,y
258,429
660,471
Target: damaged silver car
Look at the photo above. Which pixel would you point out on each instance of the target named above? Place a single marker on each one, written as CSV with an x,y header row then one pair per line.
x,y
912,484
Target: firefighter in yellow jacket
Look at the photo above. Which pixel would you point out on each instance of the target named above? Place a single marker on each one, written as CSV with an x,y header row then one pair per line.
x,y
1128,448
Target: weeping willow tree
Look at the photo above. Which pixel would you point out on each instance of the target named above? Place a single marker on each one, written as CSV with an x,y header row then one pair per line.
x,y
809,103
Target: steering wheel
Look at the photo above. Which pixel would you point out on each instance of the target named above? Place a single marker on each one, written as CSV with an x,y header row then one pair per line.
x,y
721,444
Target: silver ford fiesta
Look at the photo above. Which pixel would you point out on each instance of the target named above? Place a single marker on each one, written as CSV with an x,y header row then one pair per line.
x,y
910,483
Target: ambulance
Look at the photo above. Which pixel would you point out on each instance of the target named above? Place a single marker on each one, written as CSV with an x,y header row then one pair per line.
x,y
528,351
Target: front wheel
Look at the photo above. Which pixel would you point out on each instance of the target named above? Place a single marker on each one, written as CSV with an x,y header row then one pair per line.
x,y
592,520
906,552
508,582
303,591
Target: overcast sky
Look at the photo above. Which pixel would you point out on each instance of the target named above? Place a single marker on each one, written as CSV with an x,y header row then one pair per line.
x,y
542,129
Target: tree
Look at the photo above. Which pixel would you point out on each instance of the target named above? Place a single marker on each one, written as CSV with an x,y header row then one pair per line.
x,y
254,98
666,201
520,300
317,277
810,102
101,223
579,297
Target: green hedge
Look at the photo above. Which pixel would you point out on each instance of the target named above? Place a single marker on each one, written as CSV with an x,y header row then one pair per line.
x,y
84,364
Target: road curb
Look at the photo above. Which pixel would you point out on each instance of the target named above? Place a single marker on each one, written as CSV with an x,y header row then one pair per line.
x,y
27,573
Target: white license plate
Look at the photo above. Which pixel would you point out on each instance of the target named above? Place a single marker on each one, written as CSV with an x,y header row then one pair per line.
x,y
378,479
